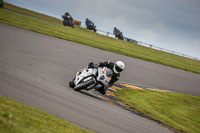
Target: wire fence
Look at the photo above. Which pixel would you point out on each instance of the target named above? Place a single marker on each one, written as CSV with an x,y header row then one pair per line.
x,y
109,34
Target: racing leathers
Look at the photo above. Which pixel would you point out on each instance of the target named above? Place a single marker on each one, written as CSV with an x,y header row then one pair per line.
x,y
67,16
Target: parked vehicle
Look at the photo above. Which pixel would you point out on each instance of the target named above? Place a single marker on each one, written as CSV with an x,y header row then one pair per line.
x,y
1,4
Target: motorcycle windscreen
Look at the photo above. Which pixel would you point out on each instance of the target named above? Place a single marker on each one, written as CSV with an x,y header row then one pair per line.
x,y
109,73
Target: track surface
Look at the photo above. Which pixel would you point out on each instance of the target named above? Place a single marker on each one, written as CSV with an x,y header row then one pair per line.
x,y
35,69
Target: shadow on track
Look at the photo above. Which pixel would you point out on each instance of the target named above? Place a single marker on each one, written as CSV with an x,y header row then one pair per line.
x,y
91,95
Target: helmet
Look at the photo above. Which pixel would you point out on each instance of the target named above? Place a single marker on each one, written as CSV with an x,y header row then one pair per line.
x,y
118,67
67,12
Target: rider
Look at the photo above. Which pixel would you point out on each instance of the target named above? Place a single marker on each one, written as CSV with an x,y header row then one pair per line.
x,y
87,22
118,34
115,31
68,16
116,67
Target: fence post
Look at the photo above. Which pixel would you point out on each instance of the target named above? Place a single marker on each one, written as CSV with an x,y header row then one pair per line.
x,y
107,33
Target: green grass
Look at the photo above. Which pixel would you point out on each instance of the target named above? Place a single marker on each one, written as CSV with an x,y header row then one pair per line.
x,y
178,111
31,13
16,117
86,37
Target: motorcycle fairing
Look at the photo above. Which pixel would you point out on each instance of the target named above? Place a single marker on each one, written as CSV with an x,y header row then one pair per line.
x,y
84,74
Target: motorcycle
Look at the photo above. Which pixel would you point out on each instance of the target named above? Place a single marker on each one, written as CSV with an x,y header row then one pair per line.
x,y
67,21
92,27
89,78
119,35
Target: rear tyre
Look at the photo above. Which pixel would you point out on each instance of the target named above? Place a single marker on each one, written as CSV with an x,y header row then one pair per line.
x,y
84,85
94,30
64,22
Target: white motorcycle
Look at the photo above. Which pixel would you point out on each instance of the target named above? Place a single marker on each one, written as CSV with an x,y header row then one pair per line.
x,y
88,78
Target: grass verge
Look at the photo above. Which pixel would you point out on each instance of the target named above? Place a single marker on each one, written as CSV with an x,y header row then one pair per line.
x,y
16,117
176,110
31,13
86,37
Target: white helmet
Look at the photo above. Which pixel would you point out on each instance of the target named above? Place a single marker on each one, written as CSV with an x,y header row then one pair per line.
x,y
118,67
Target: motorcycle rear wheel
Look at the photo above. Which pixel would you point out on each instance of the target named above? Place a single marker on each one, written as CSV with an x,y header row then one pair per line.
x,y
84,85
94,30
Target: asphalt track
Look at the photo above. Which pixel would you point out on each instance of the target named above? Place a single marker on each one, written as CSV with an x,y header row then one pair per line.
x,y
35,69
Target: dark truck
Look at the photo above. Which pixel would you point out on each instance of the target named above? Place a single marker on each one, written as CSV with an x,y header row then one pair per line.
x,y
1,4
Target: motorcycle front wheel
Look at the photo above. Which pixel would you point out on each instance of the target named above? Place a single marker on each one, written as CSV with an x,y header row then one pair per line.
x,y
84,85
64,22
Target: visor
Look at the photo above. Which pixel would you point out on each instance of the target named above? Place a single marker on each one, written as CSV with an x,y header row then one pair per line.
x,y
117,68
